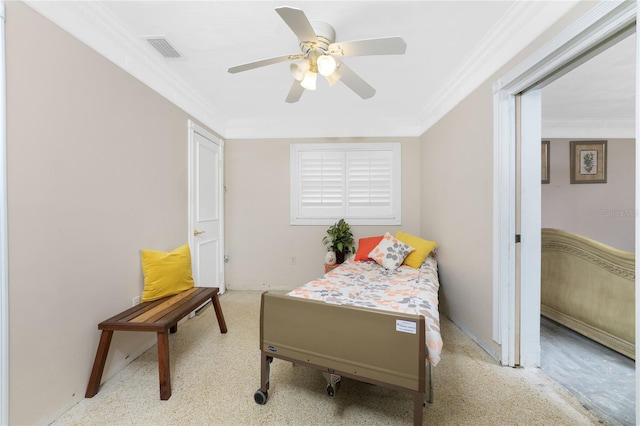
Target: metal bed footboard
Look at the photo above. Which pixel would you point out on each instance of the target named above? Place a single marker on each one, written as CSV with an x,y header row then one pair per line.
x,y
374,346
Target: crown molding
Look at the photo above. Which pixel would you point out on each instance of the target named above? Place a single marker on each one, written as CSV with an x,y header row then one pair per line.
x,y
522,24
301,128
94,25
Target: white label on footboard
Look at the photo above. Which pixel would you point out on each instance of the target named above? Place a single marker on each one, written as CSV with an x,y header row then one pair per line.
x,y
406,326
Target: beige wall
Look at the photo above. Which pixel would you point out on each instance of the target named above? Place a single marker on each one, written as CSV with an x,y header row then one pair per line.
x,y
604,212
260,241
457,191
457,199
97,170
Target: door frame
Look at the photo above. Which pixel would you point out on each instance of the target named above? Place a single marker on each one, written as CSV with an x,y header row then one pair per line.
x,y
604,25
4,245
193,129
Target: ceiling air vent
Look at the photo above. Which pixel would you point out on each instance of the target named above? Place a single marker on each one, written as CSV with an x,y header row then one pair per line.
x,y
163,46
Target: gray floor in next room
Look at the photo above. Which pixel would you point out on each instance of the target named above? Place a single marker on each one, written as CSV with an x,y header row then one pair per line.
x,y
601,379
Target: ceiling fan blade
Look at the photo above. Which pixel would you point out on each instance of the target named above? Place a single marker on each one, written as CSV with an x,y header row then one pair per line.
x,y
295,92
264,62
355,82
299,24
374,46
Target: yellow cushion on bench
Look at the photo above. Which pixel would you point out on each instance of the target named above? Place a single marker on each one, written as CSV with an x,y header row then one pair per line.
x,y
166,273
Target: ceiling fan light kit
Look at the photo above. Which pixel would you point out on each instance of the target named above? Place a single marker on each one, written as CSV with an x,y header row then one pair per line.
x,y
319,52
299,69
326,65
309,80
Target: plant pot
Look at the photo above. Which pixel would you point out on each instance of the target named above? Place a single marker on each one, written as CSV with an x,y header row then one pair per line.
x,y
339,257
330,258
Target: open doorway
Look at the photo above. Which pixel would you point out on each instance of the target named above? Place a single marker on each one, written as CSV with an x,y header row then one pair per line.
x,y
518,131
588,221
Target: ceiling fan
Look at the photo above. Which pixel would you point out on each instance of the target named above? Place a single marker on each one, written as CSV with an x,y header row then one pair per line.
x,y
320,53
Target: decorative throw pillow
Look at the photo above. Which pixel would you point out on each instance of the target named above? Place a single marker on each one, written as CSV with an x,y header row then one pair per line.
x,y
422,248
166,273
390,252
365,245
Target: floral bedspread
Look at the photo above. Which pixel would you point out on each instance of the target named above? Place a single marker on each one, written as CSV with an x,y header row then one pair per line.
x,y
369,285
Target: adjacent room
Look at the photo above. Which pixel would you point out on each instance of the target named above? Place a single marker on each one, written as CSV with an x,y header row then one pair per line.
x,y
589,220
374,155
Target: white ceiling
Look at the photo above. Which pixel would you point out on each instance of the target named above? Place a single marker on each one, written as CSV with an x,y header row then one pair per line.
x,y
595,100
452,46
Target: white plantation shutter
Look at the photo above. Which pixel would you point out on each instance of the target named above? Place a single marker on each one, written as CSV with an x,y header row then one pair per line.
x,y
321,184
357,182
369,184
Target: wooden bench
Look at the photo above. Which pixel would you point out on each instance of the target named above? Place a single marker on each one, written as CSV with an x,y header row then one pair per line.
x,y
161,316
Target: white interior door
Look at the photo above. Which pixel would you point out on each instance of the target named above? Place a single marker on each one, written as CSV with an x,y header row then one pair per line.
x,y
206,226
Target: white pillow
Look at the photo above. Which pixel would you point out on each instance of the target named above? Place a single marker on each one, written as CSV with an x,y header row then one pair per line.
x,y
390,252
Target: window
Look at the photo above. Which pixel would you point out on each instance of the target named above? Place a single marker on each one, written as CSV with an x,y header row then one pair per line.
x,y
354,181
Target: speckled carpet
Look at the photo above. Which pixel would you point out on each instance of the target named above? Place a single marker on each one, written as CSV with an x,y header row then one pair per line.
x,y
214,377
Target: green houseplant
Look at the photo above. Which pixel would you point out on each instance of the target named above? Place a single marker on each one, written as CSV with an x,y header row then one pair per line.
x,y
339,239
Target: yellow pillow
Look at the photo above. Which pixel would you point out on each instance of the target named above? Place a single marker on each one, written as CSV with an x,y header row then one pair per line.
x,y
422,248
166,273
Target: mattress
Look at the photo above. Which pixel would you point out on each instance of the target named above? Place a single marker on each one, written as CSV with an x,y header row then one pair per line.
x,y
366,284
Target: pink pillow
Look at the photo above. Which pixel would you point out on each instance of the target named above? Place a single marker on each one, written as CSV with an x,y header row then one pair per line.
x,y
365,246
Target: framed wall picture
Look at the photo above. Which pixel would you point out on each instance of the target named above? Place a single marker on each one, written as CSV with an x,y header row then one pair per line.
x,y
588,161
546,177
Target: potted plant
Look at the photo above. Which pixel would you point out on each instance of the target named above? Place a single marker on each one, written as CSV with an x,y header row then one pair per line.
x,y
339,240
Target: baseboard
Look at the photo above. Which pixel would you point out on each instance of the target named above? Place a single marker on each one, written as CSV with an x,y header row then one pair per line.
x,y
615,343
478,341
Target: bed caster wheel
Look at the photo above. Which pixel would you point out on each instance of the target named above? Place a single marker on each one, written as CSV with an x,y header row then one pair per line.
x,y
260,397
331,391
